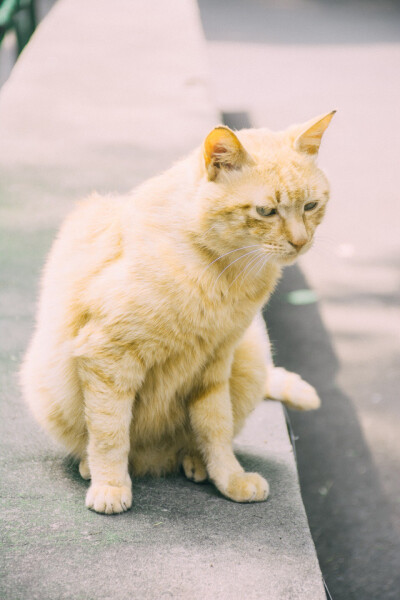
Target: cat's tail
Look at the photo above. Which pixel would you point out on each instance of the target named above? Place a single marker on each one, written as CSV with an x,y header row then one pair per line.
x,y
290,389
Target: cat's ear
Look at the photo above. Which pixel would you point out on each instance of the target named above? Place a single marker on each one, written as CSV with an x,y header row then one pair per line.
x,y
223,150
310,137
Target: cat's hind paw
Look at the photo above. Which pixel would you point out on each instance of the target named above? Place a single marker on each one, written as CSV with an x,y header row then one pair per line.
x,y
291,389
194,468
84,470
109,499
303,397
246,487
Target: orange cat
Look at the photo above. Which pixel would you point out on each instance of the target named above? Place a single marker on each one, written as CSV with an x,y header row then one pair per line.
x,y
150,349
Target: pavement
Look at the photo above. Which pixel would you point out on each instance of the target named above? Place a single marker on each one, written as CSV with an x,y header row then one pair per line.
x,y
103,97
274,63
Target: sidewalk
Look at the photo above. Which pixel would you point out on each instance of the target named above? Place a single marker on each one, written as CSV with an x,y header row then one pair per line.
x,y
103,97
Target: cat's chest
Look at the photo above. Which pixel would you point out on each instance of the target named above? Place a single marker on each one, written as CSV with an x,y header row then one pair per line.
x,y
193,342
221,318
172,315
201,325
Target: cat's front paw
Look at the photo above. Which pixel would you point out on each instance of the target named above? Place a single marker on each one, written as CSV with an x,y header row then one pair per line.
x,y
246,487
109,499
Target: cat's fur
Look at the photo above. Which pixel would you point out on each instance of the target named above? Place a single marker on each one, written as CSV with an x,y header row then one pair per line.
x,y
150,349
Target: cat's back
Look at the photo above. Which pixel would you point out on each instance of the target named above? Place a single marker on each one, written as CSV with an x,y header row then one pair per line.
x,y
89,240
90,235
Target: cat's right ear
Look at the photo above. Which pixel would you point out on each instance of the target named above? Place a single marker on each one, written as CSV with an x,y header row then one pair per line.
x,y
310,137
223,150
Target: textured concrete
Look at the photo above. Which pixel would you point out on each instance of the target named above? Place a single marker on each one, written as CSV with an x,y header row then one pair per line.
x,y
105,95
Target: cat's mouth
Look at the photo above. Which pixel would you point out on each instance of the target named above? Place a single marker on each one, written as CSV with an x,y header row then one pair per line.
x,y
289,255
287,259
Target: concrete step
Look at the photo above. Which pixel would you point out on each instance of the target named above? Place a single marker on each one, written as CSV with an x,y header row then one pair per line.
x,y
105,95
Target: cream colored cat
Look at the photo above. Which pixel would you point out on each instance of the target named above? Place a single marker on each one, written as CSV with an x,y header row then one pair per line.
x,y
150,349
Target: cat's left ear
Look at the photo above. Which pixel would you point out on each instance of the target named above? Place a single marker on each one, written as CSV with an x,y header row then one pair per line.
x,y
223,150
309,139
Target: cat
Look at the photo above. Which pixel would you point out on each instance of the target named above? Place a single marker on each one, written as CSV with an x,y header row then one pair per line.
x,y
150,349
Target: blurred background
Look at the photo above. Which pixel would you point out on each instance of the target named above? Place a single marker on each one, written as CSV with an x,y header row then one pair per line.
x,y
273,63
18,19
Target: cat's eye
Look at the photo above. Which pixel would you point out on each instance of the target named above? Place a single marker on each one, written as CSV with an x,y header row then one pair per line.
x,y
310,205
265,211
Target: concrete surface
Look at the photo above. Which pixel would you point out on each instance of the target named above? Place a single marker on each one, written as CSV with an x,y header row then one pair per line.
x,y
273,63
105,95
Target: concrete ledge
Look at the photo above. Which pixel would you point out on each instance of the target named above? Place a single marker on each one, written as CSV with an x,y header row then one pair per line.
x,y
105,95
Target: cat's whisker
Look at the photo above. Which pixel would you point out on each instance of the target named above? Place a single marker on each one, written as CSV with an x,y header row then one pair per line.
x,y
209,229
255,265
245,275
325,240
267,258
274,248
263,263
326,236
259,261
226,254
234,261
251,262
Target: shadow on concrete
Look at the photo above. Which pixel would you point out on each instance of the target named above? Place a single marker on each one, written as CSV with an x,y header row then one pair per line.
x,y
313,22
347,509
270,468
348,513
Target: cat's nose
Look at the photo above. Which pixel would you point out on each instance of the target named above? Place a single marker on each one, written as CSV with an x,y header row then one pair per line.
x,y
298,243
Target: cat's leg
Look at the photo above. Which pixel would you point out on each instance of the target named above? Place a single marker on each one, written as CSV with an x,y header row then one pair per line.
x,y
108,416
246,386
109,382
249,372
212,422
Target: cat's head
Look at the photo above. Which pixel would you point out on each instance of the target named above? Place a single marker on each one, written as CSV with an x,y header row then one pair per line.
x,y
264,189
